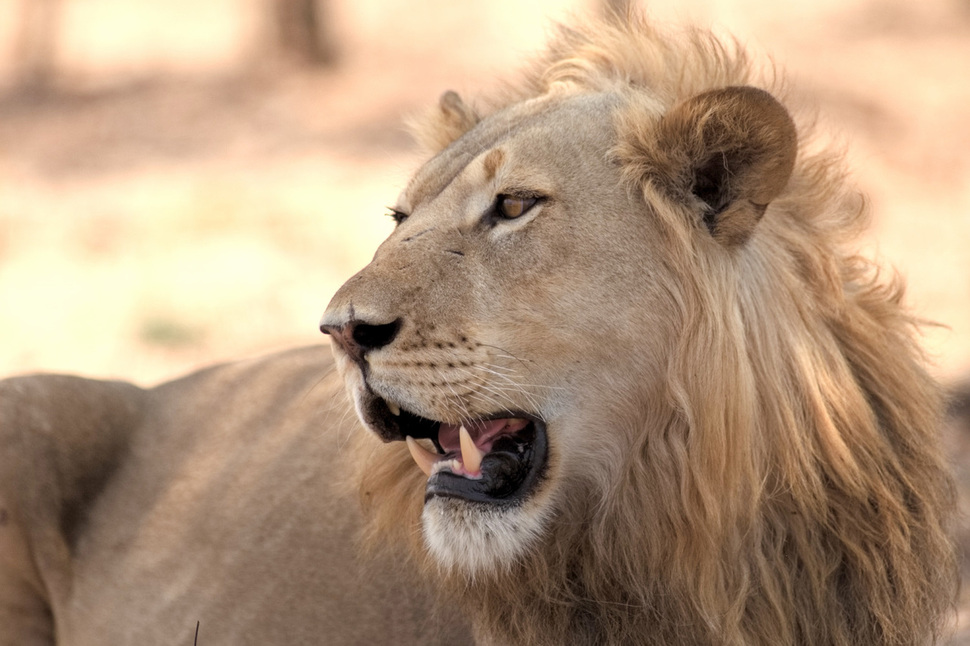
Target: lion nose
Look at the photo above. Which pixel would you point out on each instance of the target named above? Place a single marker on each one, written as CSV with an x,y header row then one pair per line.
x,y
357,337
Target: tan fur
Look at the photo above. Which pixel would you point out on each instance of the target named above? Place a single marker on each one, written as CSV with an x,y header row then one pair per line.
x,y
739,132
129,515
743,438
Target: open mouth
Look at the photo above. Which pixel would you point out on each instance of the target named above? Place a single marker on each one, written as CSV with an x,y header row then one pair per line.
x,y
495,459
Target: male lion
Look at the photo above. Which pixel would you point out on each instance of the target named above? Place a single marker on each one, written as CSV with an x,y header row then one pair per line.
x,y
650,397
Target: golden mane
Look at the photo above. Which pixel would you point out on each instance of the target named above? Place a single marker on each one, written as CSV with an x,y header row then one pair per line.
x,y
798,493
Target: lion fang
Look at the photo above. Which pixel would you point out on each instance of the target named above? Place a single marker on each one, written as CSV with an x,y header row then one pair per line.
x,y
424,458
471,456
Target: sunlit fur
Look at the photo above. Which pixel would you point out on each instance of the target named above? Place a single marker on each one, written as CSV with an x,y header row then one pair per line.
x,y
787,487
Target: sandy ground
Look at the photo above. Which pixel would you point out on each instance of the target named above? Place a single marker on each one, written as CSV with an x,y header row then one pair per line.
x,y
184,197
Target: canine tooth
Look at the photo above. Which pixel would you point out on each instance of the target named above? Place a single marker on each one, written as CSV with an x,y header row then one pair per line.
x,y
470,455
424,458
394,408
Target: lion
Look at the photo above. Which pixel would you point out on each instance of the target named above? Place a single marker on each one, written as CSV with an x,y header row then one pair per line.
x,y
621,381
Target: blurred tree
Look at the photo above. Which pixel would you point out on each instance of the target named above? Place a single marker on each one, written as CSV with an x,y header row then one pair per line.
x,y
36,46
303,31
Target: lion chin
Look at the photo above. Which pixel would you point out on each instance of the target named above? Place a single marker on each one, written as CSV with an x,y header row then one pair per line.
x,y
471,539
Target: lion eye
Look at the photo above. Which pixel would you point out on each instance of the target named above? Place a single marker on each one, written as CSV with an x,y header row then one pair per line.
x,y
397,216
511,207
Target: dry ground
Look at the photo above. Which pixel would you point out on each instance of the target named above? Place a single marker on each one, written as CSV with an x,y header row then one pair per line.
x,y
183,197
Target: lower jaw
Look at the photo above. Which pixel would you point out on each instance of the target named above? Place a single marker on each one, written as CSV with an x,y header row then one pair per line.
x,y
471,535
508,477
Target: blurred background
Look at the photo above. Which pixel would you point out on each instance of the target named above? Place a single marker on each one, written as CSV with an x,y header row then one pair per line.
x,y
185,181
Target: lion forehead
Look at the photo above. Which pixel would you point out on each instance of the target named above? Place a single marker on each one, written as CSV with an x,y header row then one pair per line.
x,y
532,143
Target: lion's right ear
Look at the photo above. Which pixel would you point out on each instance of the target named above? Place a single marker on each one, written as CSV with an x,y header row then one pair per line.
x,y
444,123
725,153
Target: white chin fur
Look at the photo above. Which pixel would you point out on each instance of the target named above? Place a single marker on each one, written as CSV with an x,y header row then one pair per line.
x,y
467,538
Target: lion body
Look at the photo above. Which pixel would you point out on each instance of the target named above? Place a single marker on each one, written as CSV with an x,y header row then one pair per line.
x,y
635,250
130,515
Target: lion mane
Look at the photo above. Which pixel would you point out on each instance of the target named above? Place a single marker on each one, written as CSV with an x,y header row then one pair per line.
x,y
787,485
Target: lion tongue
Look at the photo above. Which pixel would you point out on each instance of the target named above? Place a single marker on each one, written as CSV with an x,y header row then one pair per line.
x,y
457,439
484,433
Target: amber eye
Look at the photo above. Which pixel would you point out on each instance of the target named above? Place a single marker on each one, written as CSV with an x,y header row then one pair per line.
x,y
511,207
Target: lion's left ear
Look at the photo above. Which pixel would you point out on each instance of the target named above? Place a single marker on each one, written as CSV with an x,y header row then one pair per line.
x,y
727,153
446,122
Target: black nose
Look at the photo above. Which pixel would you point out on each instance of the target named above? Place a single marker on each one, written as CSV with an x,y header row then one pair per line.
x,y
357,337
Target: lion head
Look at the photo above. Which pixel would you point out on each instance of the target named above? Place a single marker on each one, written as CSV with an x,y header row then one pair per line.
x,y
650,396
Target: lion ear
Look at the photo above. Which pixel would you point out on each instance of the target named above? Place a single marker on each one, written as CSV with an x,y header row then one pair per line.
x,y
728,153
444,123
